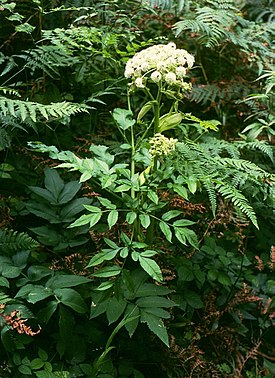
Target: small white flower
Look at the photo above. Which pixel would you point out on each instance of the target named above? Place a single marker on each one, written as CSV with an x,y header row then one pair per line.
x,y
181,71
172,45
190,60
170,78
129,71
156,76
139,82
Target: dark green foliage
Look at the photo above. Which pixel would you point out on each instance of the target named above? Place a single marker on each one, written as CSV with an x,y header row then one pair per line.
x,y
118,264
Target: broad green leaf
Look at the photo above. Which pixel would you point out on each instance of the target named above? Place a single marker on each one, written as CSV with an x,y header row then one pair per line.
x,y
180,235
122,188
183,223
185,273
123,118
107,203
66,280
192,184
4,282
148,289
157,311
156,325
39,293
144,220
124,252
69,191
193,299
43,354
92,219
72,208
93,209
45,314
106,254
44,193
132,311
148,253
36,363
192,238
72,299
107,271
153,196
98,308
115,309
166,231
171,214
53,182
151,267
224,279
131,217
181,190
110,243
25,370
135,255
212,275
154,301
105,286
34,293
112,218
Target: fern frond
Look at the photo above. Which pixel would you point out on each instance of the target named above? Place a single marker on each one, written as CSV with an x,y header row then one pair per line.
x,y
11,241
211,24
260,145
238,200
5,140
33,110
243,165
4,298
48,59
210,188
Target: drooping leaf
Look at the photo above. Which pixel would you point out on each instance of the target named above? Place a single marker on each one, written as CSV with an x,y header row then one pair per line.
x,y
150,267
155,325
108,271
166,230
71,298
123,118
154,301
115,309
112,218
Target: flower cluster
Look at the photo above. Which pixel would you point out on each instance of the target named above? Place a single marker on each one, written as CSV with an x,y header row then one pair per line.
x,y
163,63
160,145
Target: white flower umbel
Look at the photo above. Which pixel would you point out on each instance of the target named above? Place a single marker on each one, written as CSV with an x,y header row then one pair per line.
x,y
160,145
158,63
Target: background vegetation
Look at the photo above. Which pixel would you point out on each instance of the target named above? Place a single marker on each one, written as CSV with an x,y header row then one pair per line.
x,y
120,264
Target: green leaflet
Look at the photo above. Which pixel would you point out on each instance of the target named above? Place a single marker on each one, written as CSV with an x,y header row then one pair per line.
x,y
150,267
112,218
166,230
106,254
123,118
155,324
71,298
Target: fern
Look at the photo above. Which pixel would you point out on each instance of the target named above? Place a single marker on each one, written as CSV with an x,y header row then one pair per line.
x,y
211,24
48,59
238,199
12,241
5,140
33,110
4,298
260,145
210,188
223,175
